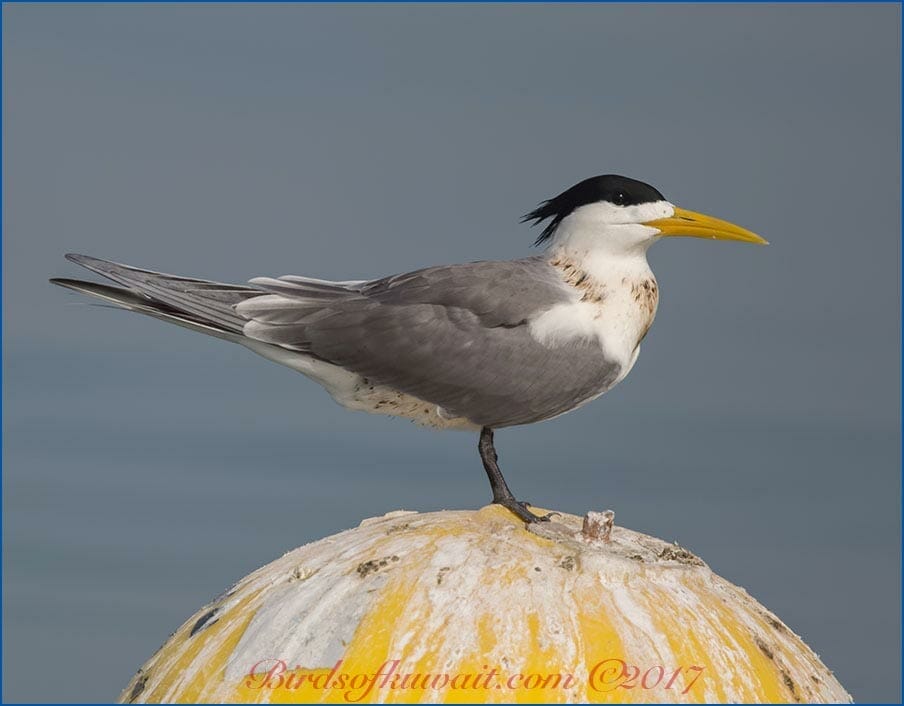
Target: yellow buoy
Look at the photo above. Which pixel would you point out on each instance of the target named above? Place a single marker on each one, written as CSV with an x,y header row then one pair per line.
x,y
473,607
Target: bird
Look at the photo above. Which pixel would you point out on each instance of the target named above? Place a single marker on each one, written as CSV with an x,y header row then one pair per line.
x,y
477,346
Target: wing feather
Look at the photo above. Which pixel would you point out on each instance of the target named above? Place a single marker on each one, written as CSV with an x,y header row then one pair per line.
x,y
454,336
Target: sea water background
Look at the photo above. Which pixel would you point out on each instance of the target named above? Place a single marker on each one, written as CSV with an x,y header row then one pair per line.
x,y
146,468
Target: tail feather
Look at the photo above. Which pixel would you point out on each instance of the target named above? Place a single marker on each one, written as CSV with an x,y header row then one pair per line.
x,y
133,302
206,305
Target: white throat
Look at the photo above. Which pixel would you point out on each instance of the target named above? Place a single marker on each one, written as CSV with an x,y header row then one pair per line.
x,y
603,237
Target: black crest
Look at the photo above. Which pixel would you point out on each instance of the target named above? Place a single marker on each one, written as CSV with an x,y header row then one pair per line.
x,y
618,190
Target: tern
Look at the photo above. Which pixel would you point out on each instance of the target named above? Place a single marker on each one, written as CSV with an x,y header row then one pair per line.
x,y
477,346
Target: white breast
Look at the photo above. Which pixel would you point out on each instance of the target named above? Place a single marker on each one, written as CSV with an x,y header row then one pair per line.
x,y
613,302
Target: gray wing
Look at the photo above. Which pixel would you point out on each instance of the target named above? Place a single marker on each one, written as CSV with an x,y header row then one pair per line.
x,y
454,336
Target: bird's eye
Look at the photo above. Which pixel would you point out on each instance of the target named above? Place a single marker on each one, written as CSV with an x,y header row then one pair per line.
x,y
620,198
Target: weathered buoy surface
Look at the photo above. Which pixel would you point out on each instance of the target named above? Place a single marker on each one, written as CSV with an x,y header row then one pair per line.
x,y
470,606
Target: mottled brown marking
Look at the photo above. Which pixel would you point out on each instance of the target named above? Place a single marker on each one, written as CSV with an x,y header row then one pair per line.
x,y
385,400
775,623
646,294
300,573
789,682
674,552
369,567
568,563
764,648
592,290
441,574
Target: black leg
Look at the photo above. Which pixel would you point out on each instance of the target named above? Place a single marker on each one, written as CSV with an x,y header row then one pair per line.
x,y
501,493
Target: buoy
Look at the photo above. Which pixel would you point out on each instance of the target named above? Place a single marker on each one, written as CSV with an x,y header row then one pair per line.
x,y
473,606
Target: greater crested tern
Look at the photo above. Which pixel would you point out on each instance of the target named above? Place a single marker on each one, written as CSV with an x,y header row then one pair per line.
x,y
476,346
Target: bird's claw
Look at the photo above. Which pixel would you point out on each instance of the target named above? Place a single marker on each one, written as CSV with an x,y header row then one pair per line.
x,y
540,518
520,510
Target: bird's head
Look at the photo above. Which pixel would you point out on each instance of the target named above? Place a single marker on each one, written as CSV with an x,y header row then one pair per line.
x,y
619,215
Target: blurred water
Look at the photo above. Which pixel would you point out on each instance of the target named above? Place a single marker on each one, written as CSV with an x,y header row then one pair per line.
x,y
127,509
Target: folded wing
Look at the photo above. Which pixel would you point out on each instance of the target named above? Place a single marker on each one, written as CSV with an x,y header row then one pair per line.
x,y
455,336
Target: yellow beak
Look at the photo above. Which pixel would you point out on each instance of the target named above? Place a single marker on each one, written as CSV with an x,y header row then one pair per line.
x,y
698,225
